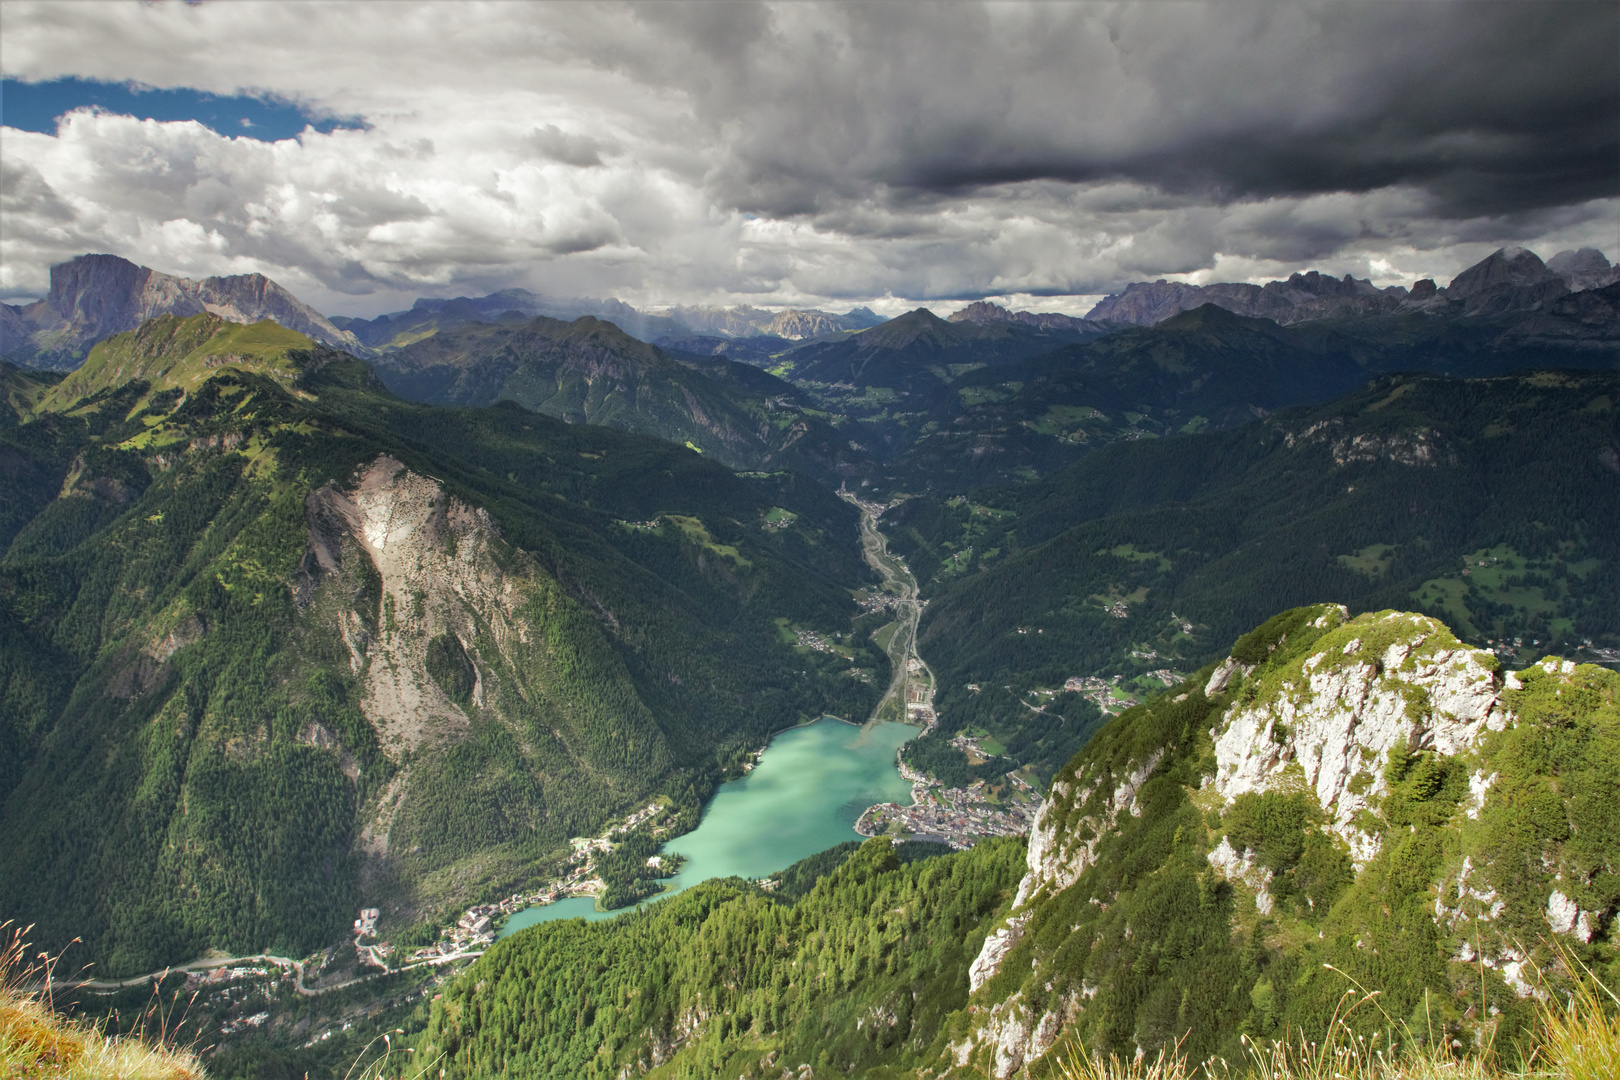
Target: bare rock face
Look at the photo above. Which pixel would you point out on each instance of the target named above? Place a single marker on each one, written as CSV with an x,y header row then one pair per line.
x,y
94,297
439,575
1401,682
981,312
798,325
1585,269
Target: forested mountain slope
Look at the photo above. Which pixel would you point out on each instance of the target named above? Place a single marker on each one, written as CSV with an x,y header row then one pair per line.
x,y
859,976
1209,368
1341,799
273,641
1493,504
589,371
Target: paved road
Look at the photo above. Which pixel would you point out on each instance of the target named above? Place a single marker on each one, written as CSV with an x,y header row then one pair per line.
x,y
195,965
297,967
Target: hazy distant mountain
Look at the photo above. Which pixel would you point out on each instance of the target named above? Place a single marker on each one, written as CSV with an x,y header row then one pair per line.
x,y
1584,269
1508,280
430,315
981,312
94,297
591,372
794,325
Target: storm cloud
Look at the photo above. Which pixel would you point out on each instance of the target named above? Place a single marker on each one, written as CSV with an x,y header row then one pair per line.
x,y
806,153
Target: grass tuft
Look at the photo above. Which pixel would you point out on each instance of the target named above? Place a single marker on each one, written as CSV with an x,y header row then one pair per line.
x,y
1576,1040
37,1041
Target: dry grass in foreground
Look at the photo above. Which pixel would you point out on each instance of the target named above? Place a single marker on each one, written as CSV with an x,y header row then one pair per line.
x,y
35,1041
1579,1040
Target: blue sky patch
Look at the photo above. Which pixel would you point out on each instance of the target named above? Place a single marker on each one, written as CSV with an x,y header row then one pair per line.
x,y
36,107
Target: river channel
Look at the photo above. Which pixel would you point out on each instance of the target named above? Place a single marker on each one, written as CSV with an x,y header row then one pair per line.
x,y
805,795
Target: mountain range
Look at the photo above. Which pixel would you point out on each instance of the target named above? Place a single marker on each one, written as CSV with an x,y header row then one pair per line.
x,y
291,626
1509,279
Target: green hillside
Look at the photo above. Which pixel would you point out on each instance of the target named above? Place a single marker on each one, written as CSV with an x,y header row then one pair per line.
x,y
1493,504
173,354
1202,370
276,642
1207,875
589,371
859,975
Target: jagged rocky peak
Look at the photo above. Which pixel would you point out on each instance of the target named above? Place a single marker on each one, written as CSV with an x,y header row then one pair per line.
x,y
1515,266
93,297
1587,268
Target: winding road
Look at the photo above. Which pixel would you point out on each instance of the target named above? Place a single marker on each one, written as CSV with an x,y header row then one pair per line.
x,y
297,966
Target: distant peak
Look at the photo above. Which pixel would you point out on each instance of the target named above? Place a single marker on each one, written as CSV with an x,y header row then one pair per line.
x,y
981,311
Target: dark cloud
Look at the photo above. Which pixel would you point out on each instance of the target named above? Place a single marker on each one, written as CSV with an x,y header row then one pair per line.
x,y
553,143
1490,107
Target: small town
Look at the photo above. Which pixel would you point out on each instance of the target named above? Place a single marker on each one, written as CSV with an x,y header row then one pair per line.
x,y
959,817
812,639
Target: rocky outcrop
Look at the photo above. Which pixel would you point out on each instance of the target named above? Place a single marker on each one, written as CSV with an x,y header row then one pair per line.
x,y
1401,681
94,297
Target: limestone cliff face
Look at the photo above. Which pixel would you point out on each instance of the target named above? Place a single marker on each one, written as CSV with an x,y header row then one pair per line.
x,y
465,628
94,297
1400,682
1394,744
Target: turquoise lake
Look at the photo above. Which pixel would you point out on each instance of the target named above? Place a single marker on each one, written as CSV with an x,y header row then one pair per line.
x,y
805,795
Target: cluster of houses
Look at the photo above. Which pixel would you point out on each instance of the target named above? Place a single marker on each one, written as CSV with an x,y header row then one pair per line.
x,y
956,816
198,980
875,602
811,639
245,1023
1104,693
